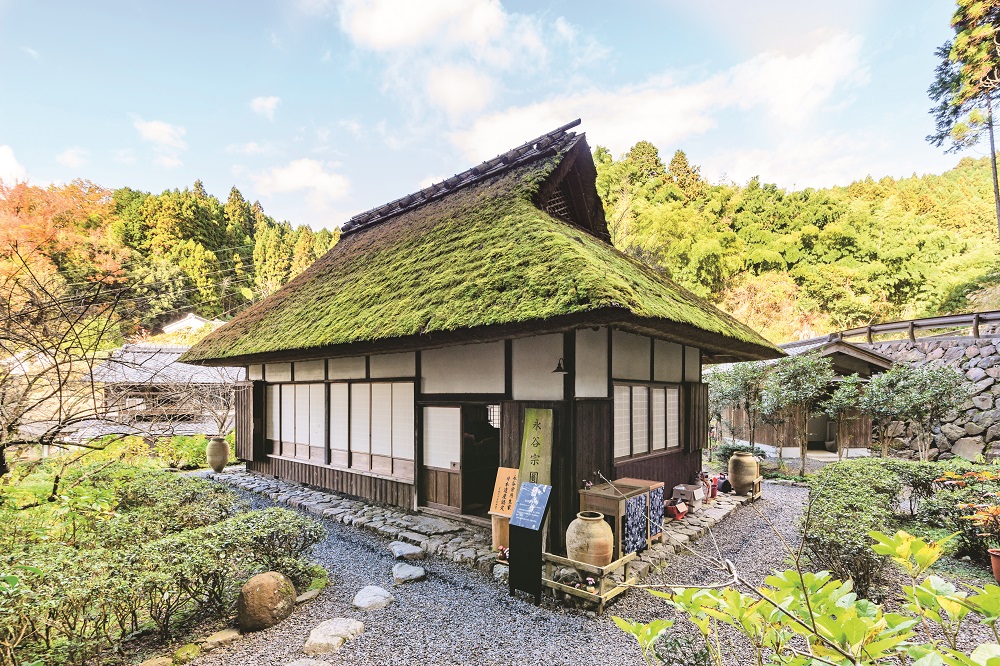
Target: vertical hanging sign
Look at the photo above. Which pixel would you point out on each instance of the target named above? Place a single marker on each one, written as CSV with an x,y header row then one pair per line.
x,y
536,447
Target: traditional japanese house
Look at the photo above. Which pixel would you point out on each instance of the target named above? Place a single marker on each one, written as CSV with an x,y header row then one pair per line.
x,y
399,366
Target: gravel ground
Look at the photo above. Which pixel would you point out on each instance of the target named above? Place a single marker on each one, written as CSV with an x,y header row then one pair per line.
x,y
460,616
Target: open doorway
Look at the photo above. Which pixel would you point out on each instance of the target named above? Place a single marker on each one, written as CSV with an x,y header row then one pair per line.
x,y
480,456
461,456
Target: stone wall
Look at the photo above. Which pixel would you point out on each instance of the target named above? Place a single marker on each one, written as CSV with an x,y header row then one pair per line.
x,y
975,429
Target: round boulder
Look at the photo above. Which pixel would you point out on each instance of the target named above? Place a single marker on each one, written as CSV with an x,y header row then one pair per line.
x,y
264,601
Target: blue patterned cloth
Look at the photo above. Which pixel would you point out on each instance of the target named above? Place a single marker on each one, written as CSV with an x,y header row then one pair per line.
x,y
656,510
635,525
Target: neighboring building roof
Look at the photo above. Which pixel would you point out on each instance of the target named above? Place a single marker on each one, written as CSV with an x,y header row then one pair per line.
x,y
834,346
158,364
191,322
515,246
846,356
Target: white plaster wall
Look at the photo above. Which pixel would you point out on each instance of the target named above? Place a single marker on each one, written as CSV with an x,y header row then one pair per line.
x,y
278,372
393,365
592,363
692,364
475,368
352,367
308,371
255,372
532,362
668,361
629,356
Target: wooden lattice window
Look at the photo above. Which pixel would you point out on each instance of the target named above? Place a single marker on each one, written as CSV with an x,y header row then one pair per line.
x,y
558,204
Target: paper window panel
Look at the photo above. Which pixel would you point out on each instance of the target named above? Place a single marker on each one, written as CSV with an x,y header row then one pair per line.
x,y
623,421
658,415
382,419
317,415
442,436
673,418
339,415
272,417
402,420
288,413
360,418
640,419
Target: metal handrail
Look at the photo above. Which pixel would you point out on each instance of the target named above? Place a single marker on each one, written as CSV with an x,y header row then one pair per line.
x,y
972,320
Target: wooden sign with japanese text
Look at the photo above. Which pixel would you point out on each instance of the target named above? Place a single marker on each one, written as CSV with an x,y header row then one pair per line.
x,y
504,492
536,447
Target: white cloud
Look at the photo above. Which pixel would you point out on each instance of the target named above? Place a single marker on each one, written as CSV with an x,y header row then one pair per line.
x,y
124,156
791,90
414,39
161,134
251,148
265,106
168,141
458,89
35,55
304,175
74,157
11,170
353,127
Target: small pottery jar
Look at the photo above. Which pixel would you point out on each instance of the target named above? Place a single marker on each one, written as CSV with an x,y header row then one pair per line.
x,y
217,453
589,539
995,561
743,469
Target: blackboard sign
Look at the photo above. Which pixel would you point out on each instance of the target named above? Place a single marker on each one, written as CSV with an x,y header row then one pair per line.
x,y
529,511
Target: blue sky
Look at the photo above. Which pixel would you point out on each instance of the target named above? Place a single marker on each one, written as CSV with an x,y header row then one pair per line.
x,y
322,109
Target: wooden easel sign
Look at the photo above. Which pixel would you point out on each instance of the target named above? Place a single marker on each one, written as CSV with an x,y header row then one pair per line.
x,y
526,539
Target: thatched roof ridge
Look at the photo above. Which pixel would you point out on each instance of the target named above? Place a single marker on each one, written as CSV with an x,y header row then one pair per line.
x,y
485,261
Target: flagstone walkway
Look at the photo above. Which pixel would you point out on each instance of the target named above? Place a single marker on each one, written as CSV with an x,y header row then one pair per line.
x,y
452,539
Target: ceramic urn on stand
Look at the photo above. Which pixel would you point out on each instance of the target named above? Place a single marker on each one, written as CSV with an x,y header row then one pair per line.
x,y
743,469
590,539
217,453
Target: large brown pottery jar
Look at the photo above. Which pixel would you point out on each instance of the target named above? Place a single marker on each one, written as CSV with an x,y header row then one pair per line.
x,y
995,561
589,539
743,469
217,453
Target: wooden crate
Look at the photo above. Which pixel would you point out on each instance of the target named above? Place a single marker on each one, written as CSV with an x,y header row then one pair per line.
x,y
611,499
607,589
501,531
654,516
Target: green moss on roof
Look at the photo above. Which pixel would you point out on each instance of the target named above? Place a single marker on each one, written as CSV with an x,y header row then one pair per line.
x,y
484,255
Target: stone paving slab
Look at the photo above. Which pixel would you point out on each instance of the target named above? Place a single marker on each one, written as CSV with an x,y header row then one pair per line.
x,y
455,540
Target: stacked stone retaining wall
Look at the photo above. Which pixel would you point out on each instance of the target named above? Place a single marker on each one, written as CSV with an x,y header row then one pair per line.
x,y
974,429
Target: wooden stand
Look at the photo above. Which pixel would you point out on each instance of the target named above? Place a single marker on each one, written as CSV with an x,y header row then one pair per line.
x,y
606,588
755,489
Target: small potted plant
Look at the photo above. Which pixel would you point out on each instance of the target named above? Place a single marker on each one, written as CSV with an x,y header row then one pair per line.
x,y
987,518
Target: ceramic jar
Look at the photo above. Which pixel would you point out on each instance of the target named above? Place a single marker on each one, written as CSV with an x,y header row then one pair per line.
x,y
217,453
589,539
743,469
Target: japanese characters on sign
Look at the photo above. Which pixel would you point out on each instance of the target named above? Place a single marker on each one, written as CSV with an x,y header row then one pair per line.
x,y
505,492
536,446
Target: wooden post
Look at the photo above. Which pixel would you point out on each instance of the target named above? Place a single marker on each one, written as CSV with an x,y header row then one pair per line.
x,y
975,325
909,330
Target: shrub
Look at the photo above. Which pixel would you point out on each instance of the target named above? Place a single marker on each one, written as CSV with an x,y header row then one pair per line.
x,y
176,551
726,451
848,500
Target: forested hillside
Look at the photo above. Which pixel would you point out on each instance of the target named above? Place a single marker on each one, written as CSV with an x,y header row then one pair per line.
x,y
797,264
790,264
162,254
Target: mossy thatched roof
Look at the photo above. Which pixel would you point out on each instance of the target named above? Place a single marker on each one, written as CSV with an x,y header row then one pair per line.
x,y
482,262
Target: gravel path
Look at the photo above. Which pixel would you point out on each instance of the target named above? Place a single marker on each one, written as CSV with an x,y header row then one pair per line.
x,y
461,616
